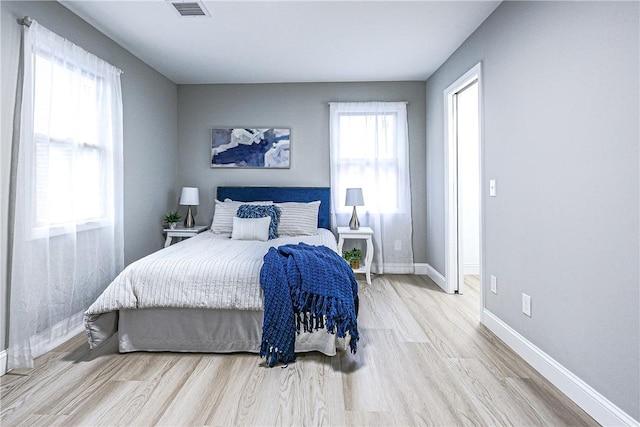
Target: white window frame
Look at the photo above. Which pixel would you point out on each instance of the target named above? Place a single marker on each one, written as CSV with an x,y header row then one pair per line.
x,y
393,163
38,229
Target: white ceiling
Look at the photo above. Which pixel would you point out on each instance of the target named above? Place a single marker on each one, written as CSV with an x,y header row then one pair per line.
x,y
289,41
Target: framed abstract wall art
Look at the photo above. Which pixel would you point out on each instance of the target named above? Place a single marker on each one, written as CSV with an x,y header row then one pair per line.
x,y
250,148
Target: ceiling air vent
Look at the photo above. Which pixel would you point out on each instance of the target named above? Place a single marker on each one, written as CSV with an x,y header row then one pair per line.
x,y
191,8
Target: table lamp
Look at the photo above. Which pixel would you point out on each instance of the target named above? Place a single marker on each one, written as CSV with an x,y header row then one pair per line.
x,y
189,197
354,198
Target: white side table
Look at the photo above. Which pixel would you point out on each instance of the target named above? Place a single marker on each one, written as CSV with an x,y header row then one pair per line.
x,y
183,232
363,233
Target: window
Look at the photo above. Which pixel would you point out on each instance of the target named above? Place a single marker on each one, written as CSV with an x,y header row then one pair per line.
x,y
369,143
70,144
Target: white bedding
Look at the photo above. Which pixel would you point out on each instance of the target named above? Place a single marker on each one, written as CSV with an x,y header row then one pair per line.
x,y
208,271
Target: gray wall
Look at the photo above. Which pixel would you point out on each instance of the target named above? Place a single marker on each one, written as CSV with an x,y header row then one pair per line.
x,y
561,85
150,129
303,107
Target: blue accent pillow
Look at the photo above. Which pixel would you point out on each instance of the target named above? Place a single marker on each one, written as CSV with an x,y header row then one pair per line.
x,y
261,211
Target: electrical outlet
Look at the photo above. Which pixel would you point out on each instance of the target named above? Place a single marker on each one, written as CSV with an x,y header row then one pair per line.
x,y
526,304
494,284
492,188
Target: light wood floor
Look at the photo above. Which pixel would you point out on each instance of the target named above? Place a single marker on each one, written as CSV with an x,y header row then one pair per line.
x,y
423,359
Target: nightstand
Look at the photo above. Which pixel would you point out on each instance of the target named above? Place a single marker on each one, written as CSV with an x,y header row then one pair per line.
x,y
363,233
182,232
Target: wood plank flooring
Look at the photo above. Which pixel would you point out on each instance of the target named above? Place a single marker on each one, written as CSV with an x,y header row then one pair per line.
x,y
423,359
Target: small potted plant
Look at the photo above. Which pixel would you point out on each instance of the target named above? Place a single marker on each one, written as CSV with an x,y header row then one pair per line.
x,y
353,257
172,219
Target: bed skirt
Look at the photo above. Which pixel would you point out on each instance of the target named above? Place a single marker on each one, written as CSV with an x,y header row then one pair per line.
x,y
206,331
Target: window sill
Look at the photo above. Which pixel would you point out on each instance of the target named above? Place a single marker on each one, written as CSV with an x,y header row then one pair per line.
x,y
64,229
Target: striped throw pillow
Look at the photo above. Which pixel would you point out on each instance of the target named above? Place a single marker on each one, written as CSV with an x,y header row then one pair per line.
x,y
298,219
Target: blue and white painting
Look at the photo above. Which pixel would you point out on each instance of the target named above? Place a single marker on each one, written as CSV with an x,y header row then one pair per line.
x,y
250,148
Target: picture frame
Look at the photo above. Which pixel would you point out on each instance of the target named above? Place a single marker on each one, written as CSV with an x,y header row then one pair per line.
x,y
265,148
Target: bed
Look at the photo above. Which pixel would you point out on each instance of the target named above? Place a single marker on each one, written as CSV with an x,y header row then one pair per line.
x,y
203,294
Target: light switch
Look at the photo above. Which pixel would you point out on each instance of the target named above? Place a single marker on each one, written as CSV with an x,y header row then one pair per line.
x,y
492,187
526,304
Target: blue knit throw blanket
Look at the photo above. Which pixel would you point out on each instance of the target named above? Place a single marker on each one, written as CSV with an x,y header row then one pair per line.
x,y
308,286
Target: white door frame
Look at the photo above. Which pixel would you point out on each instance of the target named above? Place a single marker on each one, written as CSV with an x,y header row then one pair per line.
x,y
454,277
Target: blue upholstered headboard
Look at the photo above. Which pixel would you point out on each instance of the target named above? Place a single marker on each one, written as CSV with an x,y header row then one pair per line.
x,y
283,194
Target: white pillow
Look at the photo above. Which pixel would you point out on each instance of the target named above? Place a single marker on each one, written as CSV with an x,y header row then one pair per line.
x,y
298,219
251,228
224,212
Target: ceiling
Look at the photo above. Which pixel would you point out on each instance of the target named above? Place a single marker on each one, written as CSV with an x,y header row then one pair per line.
x,y
289,41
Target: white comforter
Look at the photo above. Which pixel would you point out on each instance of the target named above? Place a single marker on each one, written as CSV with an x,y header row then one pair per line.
x,y
205,271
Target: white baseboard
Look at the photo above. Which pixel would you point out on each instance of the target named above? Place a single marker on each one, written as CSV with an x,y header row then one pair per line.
x,y
432,273
3,362
420,268
50,338
397,268
57,334
592,402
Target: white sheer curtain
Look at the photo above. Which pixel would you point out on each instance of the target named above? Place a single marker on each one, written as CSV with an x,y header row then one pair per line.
x,y
370,150
67,242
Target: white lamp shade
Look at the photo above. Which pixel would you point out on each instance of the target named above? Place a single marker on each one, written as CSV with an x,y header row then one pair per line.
x,y
190,196
354,197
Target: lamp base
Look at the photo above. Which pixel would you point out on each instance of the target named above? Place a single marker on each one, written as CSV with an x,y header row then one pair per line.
x,y
189,221
354,224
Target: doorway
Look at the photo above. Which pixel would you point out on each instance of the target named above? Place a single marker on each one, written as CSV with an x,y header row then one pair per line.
x,y
463,177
